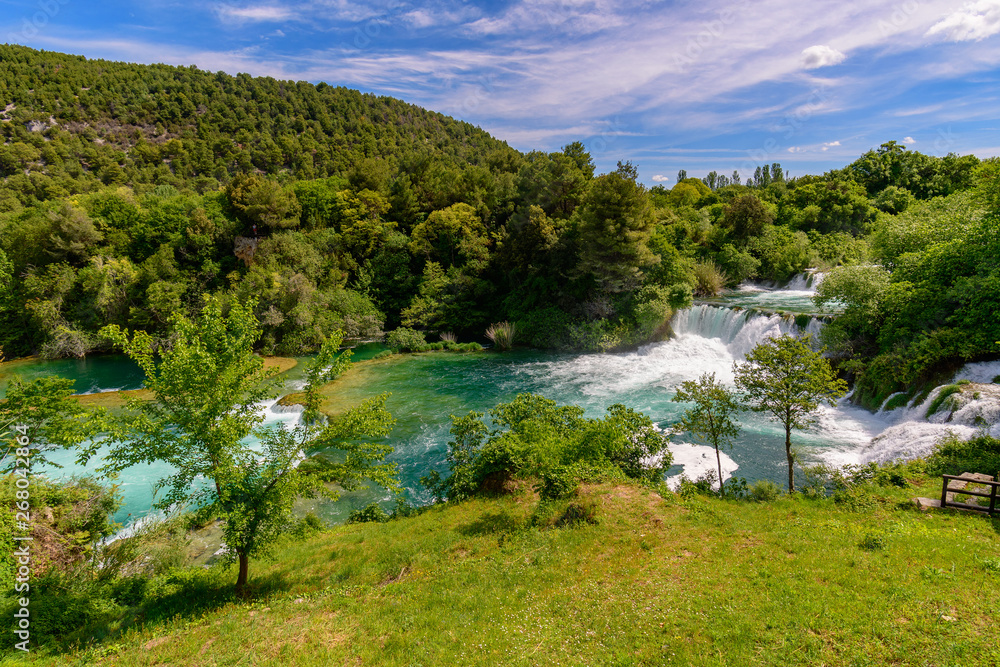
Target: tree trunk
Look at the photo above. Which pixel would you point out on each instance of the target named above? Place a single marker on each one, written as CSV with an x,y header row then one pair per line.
x,y
791,461
718,459
241,580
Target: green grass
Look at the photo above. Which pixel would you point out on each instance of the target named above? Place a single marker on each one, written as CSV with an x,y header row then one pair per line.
x,y
654,582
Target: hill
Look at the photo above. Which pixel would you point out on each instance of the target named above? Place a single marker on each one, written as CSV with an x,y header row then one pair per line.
x,y
73,125
635,579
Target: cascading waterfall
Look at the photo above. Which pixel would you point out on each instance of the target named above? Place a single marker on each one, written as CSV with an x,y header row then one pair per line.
x,y
739,330
912,432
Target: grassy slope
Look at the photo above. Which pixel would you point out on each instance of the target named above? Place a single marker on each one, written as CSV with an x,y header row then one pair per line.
x,y
699,582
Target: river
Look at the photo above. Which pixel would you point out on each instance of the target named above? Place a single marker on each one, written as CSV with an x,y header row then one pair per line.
x,y
427,388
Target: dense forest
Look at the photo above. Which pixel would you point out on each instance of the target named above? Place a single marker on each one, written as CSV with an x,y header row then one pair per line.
x,y
132,192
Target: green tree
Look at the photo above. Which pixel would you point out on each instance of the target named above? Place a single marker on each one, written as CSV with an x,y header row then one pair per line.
x,y
747,216
454,236
784,378
205,388
711,416
258,492
616,222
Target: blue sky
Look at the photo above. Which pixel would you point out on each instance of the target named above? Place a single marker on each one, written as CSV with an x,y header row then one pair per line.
x,y
669,85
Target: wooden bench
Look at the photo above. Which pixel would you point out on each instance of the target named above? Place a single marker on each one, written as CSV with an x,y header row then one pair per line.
x,y
958,484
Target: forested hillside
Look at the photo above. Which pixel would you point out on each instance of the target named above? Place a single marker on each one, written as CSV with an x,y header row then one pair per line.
x,y
131,192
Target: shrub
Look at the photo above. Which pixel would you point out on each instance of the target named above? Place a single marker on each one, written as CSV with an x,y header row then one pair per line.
x,y
502,334
764,491
710,279
448,337
873,542
383,354
533,437
372,513
405,339
579,512
953,456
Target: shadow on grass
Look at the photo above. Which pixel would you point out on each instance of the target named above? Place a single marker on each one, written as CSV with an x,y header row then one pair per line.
x,y
68,615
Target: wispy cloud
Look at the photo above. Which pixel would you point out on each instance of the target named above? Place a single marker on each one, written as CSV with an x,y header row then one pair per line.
x,y
258,13
974,22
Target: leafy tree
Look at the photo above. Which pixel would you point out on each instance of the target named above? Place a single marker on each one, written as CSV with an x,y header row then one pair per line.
x,y
711,416
454,236
263,203
784,378
259,490
746,216
205,389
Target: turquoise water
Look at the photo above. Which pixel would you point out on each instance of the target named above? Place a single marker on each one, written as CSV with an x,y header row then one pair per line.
x,y
425,389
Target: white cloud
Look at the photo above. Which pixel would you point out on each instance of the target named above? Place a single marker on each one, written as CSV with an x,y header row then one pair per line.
x,y
973,22
660,178
821,56
262,13
828,145
796,149
909,140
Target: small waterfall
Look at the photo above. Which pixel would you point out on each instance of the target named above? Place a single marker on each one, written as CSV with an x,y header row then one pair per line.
x,y
912,433
739,330
805,282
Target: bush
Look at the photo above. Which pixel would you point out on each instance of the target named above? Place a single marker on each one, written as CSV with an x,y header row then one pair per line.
x,y
953,456
372,513
502,334
533,437
578,513
710,279
873,542
405,339
764,491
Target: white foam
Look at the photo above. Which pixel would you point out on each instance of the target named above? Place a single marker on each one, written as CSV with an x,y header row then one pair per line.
x,y
696,461
980,371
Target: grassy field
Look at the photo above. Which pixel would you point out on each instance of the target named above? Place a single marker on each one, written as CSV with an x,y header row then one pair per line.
x,y
655,581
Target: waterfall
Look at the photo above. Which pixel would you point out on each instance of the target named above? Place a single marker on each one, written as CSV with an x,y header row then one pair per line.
x,y
739,330
804,282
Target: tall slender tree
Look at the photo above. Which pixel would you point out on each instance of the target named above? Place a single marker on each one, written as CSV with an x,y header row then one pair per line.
x,y
787,380
712,415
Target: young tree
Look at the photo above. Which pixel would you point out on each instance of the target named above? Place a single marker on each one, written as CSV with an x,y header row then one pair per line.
x,y
259,491
711,416
206,387
786,379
